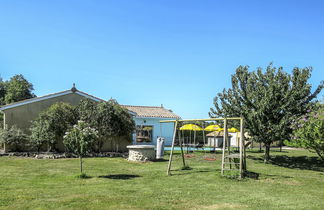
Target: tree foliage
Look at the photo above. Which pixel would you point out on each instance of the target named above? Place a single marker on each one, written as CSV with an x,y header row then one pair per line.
x,y
87,111
267,100
41,133
309,131
52,124
79,139
14,137
17,89
108,118
113,120
2,91
2,97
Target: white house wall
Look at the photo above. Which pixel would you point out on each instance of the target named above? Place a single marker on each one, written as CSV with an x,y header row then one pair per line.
x,y
167,129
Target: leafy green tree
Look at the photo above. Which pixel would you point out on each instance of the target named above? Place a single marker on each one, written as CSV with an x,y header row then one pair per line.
x,y
2,91
109,118
309,131
113,120
18,88
79,139
87,111
2,97
268,101
54,122
41,133
13,137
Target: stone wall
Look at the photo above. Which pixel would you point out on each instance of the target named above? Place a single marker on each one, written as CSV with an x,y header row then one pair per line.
x,y
141,154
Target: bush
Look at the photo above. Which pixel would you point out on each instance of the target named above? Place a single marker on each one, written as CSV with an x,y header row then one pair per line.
x,y
15,138
309,131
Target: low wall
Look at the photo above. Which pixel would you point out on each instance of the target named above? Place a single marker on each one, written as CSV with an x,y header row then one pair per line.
x,y
141,153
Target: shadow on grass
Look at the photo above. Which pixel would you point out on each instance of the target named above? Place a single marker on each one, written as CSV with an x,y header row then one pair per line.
x,y
277,176
190,171
254,151
120,176
251,175
160,160
300,162
83,176
278,150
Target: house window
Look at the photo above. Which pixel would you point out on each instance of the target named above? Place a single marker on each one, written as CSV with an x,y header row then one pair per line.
x,y
144,133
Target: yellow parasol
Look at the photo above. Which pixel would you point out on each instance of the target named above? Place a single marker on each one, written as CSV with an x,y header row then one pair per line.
x,y
231,130
191,127
212,128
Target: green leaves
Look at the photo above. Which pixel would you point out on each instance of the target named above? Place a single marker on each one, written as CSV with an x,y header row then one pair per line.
x,y
13,137
268,100
17,89
52,124
109,118
80,138
309,131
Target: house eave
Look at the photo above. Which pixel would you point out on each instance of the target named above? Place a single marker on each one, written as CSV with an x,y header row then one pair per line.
x,y
37,99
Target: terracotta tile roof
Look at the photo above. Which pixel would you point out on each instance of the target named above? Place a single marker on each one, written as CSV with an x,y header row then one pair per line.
x,y
151,111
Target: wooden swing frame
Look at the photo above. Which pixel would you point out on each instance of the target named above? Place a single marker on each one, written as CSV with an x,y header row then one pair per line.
x,y
242,161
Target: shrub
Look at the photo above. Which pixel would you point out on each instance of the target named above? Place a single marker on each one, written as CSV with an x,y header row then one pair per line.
x,y
79,139
14,137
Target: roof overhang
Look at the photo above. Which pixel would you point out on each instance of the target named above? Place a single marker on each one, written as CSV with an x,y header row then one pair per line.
x,y
42,98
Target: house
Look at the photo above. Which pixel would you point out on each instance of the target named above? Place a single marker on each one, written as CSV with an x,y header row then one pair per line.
x,y
215,139
148,126
23,112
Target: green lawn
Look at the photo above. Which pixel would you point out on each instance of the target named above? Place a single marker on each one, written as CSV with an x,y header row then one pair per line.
x,y
294,180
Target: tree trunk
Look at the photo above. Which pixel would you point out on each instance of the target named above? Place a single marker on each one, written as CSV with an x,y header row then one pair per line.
x,y
319,154
81,169
267,153
260,149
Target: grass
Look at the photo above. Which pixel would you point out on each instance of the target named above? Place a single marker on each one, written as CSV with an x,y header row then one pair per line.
x,y
294,180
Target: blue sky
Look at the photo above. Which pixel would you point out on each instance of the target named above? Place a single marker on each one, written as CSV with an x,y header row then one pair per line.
x,y
176,53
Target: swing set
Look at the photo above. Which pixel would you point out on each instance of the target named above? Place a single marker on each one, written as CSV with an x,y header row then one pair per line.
x,y
231,161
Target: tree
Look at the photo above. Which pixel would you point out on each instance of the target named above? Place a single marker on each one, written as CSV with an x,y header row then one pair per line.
x,y
268,101
41,133
112,121
18,88
2,97
52,124
79,139
2,91
87,111
109,118
309,131
13,137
